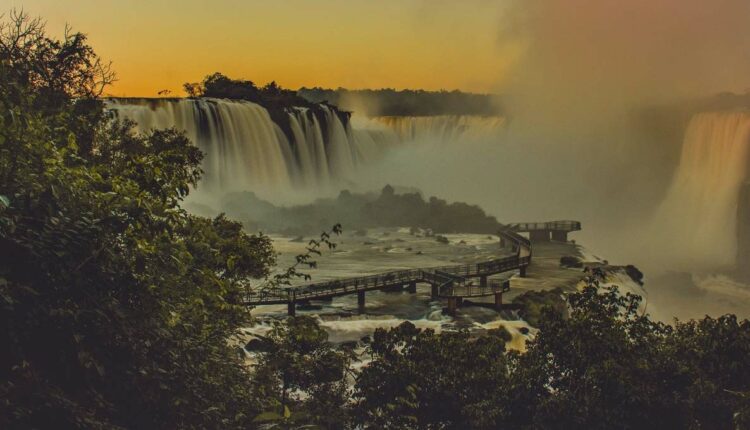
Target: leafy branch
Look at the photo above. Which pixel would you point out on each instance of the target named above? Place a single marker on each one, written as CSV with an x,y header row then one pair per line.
x,y
305,260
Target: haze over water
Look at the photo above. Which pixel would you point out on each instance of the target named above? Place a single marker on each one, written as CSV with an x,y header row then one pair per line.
x,y
574,80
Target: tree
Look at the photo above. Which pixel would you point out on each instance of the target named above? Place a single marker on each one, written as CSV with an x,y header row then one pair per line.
x,y
302,377
193,89
595,367
117,306
609,366
603,364
418,379
714,376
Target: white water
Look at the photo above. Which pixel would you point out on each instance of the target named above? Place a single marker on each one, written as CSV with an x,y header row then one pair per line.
x,y
372,254
697,222
246,151
442,128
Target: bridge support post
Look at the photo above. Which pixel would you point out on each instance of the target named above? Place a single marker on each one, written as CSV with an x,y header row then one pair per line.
x,y
560,236
412,287
523,271
452,305
483,281
498,301
434,291
361,301
539,235
291,308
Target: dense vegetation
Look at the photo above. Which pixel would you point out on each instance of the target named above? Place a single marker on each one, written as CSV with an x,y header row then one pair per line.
x,y
359,211
390,102
116,305
600,365
119,309
278,101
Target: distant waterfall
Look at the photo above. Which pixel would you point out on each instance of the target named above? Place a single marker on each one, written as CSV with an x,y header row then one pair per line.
x,y
442,128
697,221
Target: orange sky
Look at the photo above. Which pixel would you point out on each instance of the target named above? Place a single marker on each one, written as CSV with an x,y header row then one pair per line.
x,y
159,44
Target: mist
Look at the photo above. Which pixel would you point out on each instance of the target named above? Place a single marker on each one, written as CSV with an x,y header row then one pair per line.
x,y
589,122
583,141
589,65
597,59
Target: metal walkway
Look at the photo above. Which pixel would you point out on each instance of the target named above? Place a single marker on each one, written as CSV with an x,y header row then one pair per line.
x,y
448,282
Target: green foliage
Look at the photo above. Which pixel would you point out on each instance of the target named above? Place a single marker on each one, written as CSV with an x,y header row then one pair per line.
x,y
419,379
713,352
307,259
603,366
302,378
606,366
219,86
116,305
594,367
391,209
362,211
278,101
534,302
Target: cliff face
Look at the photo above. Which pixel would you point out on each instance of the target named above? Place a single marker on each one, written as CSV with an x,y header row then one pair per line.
x,y
279,113
279,102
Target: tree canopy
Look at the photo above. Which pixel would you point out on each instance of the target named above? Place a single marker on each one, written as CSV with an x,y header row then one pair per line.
x,y
116,304
361,211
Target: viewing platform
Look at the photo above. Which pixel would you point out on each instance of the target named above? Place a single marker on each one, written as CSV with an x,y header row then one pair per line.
x,y
546,231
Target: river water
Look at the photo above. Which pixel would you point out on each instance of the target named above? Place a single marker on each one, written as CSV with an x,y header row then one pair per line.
x,y
386,249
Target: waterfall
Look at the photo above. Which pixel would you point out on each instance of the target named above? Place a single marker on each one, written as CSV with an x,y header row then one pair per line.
x,y
442,128
697,221
245,150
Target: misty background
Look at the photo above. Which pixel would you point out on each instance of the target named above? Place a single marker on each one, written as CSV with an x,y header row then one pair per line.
x,y
598,101
630,117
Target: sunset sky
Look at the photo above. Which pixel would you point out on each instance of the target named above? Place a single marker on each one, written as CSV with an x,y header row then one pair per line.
x,y
158,45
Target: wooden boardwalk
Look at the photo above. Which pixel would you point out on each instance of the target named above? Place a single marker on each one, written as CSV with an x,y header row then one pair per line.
x,y
447,282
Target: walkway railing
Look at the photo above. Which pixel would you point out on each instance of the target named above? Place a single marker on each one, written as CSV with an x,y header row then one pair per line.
x,y
450,281
565,225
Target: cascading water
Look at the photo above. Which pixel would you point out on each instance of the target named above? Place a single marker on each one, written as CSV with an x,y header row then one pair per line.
x,y
697,222
442,128
242,145
245,150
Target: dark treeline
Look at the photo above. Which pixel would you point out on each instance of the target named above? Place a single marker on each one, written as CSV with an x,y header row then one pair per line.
x,y
390,102
358,211
116,306
119,309
277,100
598,365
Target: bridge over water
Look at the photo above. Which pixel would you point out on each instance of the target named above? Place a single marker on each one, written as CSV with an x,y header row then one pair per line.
x,y
452,283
